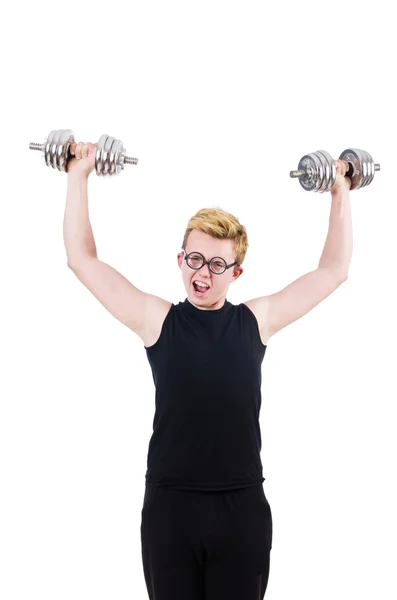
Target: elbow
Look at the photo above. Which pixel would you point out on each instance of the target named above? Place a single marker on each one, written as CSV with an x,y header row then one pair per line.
x,y
72,266
341,274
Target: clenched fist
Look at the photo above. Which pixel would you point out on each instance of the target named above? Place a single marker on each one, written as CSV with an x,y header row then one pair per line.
x,y
342,182
84,161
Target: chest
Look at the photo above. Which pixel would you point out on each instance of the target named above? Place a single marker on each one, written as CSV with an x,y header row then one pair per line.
x,y
210,362
152,333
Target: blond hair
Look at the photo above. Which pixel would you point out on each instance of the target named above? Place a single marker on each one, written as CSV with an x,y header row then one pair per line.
x,y
222,225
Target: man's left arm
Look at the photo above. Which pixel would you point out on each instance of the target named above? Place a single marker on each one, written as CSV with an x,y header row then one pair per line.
x,y
276,311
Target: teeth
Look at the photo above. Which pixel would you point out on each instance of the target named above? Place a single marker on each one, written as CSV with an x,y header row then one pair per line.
x,y
202,284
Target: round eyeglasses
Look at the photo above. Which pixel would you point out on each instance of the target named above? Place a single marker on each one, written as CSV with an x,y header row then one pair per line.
x,y
217,265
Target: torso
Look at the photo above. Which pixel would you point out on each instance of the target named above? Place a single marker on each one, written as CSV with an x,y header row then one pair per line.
x,y
152,334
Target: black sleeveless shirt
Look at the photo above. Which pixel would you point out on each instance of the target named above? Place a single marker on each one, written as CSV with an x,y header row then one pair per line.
x,y
206,368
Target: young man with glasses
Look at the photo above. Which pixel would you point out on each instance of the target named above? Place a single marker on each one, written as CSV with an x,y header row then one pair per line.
x,y
206,523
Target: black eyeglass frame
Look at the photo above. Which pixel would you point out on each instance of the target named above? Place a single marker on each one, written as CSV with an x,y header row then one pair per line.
x,y
208,262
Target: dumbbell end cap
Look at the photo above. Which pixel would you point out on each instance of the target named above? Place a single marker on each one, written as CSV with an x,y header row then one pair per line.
x,y
128,160
34,146
297,173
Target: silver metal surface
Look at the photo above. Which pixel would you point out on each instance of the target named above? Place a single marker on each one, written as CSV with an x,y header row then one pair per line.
x,y
111,156
322,173
291,173
363,165
308,165
368,170
329,171
317,171
109,160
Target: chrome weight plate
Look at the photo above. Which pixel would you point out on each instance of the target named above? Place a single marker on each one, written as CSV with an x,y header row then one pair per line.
x,y
317,171
56,148
110,156
311,165
357,159
329,171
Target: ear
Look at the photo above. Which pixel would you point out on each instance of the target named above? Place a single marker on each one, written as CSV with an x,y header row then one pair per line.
x,y
180,258
237,272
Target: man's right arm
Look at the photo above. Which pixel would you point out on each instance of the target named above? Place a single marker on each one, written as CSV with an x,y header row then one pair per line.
x,y
133,307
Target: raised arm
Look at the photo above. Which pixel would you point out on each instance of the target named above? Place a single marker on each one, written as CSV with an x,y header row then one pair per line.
x,y
278,310
139,311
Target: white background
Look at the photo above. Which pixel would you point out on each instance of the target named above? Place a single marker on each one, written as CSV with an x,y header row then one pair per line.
x,y
218,101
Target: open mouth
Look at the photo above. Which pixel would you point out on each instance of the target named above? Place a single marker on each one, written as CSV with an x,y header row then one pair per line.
x,y
199,290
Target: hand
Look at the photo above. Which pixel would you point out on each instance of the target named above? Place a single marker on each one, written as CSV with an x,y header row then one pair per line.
x,y
84,161
342,182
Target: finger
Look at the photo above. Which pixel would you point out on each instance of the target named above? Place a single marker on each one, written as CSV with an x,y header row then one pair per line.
x,y
88,149
338,166
72,148
78,150
346,166
84,150
341,167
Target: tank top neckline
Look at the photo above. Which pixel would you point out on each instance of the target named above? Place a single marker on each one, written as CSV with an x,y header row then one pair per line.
x,y
194,310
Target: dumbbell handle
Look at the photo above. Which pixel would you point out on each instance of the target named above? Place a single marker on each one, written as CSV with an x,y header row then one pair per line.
x,y
128,160
303,173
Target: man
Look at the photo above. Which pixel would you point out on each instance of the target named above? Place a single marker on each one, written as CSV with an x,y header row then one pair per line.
x,y
206,523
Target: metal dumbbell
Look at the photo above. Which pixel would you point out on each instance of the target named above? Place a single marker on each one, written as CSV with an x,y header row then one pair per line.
x,y
317,171
109,160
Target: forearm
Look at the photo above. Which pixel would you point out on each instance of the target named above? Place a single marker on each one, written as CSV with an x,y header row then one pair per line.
x,y
77,231
338,246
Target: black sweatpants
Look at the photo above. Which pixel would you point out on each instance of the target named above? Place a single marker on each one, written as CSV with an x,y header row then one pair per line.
x,y
206,545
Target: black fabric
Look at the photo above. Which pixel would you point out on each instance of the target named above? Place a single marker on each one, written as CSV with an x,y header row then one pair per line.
x,y
206,368
212,545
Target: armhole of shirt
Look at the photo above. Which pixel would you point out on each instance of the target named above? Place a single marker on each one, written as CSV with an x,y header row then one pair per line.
x,y
258,333
167,316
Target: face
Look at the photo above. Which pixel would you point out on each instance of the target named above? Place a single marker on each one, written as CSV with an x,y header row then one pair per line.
x,y
209,247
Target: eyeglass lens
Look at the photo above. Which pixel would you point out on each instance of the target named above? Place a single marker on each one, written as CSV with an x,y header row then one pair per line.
x,y
195,261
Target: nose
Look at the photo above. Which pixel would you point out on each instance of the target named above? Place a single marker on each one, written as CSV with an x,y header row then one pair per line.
x,y
207,270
